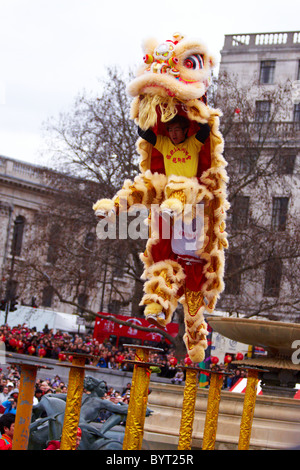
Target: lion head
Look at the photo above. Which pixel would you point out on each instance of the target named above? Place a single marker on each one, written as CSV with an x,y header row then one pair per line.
x,y
175,72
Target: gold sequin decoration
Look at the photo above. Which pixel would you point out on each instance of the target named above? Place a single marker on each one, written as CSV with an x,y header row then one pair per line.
x,y
194,301
178,195
134,431
73,405
188,410
211,420
248,410
136,194
158,289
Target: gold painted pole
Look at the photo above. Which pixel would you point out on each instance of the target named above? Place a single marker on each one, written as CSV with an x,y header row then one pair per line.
x,y
248,409
24,405
134,431
211,420
73,402
188,408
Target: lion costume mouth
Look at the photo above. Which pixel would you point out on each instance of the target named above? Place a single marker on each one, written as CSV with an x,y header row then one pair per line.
x,y
166,85
147,90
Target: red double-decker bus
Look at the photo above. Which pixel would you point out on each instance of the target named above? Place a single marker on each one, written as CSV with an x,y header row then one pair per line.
x,y
122,334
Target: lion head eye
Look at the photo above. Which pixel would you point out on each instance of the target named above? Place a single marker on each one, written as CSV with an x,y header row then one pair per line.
x,y
194,62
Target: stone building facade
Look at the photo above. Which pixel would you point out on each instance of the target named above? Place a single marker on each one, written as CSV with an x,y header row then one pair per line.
x,y
270,60
24,190
272,57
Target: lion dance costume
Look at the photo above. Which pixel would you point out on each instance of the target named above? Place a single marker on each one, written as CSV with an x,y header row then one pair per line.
x,y
173,81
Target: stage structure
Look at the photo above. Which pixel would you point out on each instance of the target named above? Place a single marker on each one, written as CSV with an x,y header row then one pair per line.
x,y
138,410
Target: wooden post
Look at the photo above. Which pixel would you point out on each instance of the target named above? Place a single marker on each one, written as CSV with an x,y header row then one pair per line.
x,y
249,407
24,404
188,408
211,420
137,407
74,398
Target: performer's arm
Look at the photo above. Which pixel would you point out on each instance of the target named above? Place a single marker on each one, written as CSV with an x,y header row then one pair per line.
x,y
202,133
148,135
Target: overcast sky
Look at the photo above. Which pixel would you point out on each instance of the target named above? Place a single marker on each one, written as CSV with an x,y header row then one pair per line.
x,y
51,50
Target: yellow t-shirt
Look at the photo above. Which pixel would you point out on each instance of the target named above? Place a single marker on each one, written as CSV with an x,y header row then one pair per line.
x,y
181,159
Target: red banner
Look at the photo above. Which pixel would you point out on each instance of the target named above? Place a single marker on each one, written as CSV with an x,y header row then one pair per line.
x,y
105,328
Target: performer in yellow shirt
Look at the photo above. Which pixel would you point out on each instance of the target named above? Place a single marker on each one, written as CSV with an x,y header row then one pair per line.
x,y
180,154
181,158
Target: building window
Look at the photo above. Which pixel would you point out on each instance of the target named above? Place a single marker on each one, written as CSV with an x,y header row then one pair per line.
x,y
114,306
47,296
286,163
267,71
233,274
273,278
18,236
52,254
247,161
279,213
118,270
89,241
240,212
82,301
262,111
297,112
11,289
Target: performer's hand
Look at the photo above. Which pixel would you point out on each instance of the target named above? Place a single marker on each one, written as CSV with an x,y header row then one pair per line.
x,y
203,132
147,135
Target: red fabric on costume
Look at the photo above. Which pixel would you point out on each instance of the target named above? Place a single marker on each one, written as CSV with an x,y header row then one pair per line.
x,y
157,162
194,275
162,251
204,162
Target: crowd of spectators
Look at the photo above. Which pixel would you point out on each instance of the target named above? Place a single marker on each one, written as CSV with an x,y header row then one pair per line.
x,y
60,346
9,391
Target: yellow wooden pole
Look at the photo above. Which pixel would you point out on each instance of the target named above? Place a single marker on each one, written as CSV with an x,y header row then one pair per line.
x,y
188,408
24,404
73,402
134,431
24,407
248,409
212,412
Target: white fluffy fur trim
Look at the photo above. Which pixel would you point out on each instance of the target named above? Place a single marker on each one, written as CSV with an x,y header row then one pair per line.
x,y
104,204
